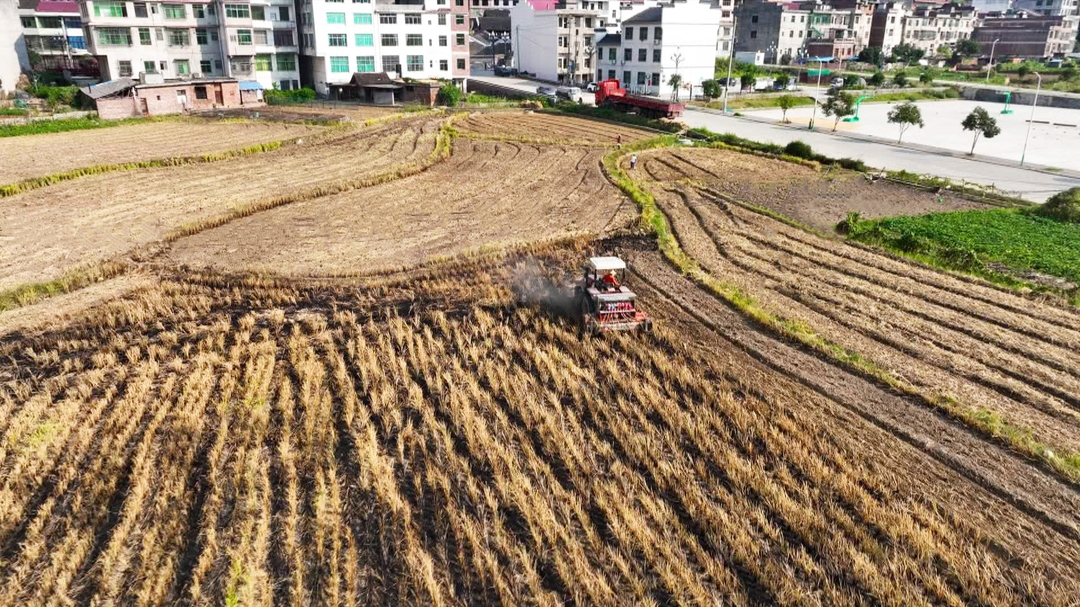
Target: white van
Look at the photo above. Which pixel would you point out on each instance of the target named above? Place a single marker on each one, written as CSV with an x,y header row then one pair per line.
x,y
572,93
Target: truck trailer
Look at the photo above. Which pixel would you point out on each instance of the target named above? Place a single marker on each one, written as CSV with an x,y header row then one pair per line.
x,y
610,94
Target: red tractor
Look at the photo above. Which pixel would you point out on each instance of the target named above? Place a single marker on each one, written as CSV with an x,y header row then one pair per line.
x,y
609,94
605,303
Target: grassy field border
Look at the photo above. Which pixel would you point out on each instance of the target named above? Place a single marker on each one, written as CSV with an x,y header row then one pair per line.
x,y
983,420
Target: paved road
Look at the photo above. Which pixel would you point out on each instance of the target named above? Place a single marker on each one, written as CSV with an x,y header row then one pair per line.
x,y
1030,185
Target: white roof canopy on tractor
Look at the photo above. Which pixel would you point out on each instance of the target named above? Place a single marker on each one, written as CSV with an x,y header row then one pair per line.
x,y
603,264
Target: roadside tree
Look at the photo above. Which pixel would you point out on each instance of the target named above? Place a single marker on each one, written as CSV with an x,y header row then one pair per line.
x,y
968,48
710,88
872,55
906,53
982,124
838,104
900,79
878,78
906,115
676,83
785,103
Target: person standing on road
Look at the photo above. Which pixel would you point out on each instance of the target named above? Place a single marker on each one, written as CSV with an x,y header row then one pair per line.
x,y
633,161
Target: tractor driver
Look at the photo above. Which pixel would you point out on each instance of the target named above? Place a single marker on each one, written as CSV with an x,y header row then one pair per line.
x,y
611,282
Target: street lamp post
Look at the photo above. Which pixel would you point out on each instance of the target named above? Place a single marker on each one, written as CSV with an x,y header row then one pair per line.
x,y
730,59
821,67
1032,117
990,66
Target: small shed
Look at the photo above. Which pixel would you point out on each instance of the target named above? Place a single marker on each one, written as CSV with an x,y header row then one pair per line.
x,y
378,88
112,99
251,92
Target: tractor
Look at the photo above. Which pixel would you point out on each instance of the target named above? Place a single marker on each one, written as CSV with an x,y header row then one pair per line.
x,y
605,304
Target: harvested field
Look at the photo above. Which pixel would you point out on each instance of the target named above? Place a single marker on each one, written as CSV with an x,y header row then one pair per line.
x,y
546,128
488,193
817,199
986,348
49,231
37,155
420,440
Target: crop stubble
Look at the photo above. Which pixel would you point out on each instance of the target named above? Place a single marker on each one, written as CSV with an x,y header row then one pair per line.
x,y
531,126
419,439
39,155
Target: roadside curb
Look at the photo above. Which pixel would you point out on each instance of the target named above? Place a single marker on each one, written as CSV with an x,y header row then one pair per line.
x,y
1067,173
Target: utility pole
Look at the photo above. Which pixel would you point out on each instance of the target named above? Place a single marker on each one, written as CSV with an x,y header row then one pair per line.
x,y
990,66
677,58
821,68
1032,118
517,54
731,57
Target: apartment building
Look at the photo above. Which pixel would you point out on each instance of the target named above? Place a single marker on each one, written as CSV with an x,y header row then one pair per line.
x,y
775,29
1027,35
53,31
842,26
887,27
672,38
928,29
480,5
419,39
13,57
555,39
249,41
1049,8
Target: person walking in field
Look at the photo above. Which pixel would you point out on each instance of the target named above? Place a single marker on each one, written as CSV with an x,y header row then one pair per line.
x,y
618,139
633,162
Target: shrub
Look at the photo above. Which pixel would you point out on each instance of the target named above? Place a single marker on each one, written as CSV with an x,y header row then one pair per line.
x,y
852,164
1063,206
850,223
56,96
276,97
878,78
900,79
449,95
799,149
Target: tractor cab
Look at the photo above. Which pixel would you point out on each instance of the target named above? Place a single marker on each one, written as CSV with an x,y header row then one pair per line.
x,y
604,301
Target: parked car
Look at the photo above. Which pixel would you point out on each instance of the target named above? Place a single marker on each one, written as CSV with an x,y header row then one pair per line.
x,y
836,83
591,87
571,93
502,70
549,93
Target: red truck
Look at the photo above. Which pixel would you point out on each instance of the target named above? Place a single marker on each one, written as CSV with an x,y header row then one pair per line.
x,y
610,94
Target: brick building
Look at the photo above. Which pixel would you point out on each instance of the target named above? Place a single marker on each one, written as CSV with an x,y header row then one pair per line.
x,y
1028,35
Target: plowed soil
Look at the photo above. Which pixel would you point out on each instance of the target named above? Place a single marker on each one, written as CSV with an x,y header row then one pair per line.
x,y
47,231
489,193
817,199
539,127
39,155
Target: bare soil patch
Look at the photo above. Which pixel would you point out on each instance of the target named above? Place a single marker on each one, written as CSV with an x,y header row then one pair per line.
x,y
39,155
818,199
489,193
550,128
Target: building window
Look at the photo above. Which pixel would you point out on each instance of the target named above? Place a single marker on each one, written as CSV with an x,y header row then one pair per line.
x,y
283,13
459,2
144,35
140,10
124,69
238,11
163,65
28,23
286,62
753,19
199,10
390,63
444,65
365,40
658,33
335,18
263,63
243,37
283,38
206,66
361,18
414,63
414,40
114,36
460,64
656,55
641,78
174,11
110,9
149,67
459,39
361,1
442,19
626,78
262,37
338,40
388,18
642,55
442,40
389,40
655,79
202,37
753,33
365,64
77,42
258,13
629,33
628,54
412,19
200,93
181,66
459,19
52,23
339,65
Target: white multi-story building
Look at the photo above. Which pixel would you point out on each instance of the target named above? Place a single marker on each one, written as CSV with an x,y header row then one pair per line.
x,y
479,5
53,31
421,39
672,38
13,58
243,40
1049,8
928,29
555,39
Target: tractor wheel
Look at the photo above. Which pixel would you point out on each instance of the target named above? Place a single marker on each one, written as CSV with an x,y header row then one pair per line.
x,y
586,314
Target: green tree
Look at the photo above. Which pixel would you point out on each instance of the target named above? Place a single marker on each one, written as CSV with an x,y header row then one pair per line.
x,y
676,83
982,124
926,76
449,95
968,48
872,55
781,81
1023,70
720,68
710,88
838,105
1069,73
785,103
905,115
945,51
878,78
900,79
906,53
748,74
